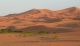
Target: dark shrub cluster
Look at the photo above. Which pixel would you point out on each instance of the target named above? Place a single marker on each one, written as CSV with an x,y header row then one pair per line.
x,y
9,29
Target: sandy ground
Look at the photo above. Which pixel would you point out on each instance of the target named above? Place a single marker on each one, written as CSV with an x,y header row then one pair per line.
x,y
62,39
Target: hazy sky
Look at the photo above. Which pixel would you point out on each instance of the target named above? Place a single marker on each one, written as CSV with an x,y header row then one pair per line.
x,y
15,6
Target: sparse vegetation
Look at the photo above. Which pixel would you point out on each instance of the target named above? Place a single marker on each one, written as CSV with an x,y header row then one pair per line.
x,y
9,29
43,32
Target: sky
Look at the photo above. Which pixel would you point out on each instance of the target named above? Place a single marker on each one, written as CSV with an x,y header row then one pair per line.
x,y
17,6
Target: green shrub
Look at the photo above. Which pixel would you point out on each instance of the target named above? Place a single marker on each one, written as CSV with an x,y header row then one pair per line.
x,y
9,29
42,32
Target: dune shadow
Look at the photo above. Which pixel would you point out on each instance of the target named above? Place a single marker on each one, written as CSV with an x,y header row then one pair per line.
x,y
41,28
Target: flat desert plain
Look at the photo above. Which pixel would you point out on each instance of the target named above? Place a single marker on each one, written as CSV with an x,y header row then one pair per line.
x,y
59,39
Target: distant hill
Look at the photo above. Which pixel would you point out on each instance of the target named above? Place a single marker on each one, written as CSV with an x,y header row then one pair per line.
x,y
48,19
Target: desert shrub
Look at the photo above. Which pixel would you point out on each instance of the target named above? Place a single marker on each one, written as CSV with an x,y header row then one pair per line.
x,y
43,32
2,30
25,34
9,29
